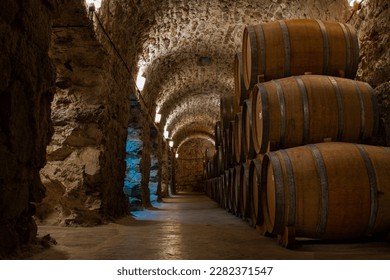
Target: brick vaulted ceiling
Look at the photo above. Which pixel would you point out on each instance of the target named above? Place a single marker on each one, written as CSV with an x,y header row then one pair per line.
x,y
186,49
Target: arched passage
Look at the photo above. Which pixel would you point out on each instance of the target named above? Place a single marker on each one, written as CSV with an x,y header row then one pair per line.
x,y
189,163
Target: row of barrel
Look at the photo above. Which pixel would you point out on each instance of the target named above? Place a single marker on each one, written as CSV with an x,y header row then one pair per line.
x,y
294,111
330,190
286,155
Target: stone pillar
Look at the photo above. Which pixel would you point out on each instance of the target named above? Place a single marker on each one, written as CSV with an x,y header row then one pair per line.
x,y
27,79
145,163
86,158
165,176
172,171
133,180
154,165
159,170
163,172
132,184
373,25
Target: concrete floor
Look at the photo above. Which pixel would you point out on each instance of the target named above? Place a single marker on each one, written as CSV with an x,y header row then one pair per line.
x,y
190,227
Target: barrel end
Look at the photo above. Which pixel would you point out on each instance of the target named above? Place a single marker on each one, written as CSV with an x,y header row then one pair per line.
x,y
287,238
262,229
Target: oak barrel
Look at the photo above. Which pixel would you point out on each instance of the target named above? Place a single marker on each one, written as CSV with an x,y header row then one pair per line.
x,y
218,195
219,161
225,187
308,109
231,156
226,111
239,155
218,134
240,93
236,191
212,188
329,190
228,177
255,169
209,169
247,139
226,148
244,188
293,47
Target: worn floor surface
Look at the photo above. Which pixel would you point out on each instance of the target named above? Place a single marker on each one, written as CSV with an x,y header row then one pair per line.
x,y
189,227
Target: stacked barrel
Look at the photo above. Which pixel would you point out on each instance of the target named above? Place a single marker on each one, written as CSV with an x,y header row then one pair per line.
x,y
293,151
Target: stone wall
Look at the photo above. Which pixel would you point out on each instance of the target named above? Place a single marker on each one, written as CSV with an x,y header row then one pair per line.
x,y
132,185
372,21
164,165
27,79
189,165
86,157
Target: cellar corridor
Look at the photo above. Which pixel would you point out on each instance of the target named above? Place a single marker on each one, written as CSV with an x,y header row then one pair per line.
x,y
190,226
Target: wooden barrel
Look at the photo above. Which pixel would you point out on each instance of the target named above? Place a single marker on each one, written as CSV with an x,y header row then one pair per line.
x,y
231,190
212,188
225,148
221,190
220,161
209,170
227,111
227,190
327,190
244,183
238,138
212,168
206,164
237,190
247,138
231,156
217,161
218,134
293,47
216,189
308,109
215,165
207,187
210,185
207,155
255,168
240,93
225,186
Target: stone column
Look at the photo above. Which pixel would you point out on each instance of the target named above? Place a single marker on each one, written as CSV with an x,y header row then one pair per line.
x,y
154,164
85,171
27,79
132,184
145,163
373,25
163,169
172,171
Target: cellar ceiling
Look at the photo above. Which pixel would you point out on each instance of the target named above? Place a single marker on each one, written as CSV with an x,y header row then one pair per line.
x,y
185,50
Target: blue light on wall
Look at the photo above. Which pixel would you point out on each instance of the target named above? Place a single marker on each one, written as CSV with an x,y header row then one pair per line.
x,y
132,184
